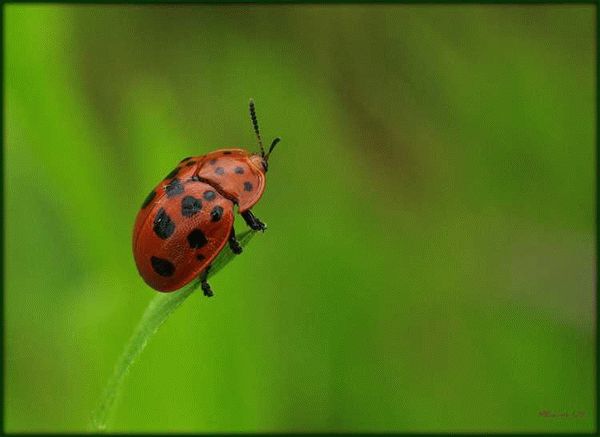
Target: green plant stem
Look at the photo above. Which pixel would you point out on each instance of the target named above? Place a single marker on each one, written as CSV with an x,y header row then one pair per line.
x,y
157,312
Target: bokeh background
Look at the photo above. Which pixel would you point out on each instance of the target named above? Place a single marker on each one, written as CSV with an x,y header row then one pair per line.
x,y
429,263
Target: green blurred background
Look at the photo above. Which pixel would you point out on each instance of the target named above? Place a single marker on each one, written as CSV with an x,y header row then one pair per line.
x,y
429,263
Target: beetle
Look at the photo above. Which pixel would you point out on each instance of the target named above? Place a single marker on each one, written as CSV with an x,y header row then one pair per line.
x,y
187,219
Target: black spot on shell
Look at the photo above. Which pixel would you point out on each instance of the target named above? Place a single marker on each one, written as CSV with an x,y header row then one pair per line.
x,y
247,186
162,266
190,206
195,178
200,257
196,239
212,161
216,213
239,170
219,170
209,195
174,188
163,225
148,199
173,173
185,159
189,164
227,152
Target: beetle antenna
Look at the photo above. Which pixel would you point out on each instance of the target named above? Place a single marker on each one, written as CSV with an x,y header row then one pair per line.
x,y
273,144
255,125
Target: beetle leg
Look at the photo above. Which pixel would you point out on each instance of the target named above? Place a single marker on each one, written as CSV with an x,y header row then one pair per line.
x,y
233,243
253,221
205,285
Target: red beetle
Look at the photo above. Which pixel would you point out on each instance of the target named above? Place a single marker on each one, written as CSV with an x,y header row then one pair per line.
x,y
188,218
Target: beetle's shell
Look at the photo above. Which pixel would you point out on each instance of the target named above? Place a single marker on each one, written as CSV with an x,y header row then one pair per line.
x,y
181,174
180,235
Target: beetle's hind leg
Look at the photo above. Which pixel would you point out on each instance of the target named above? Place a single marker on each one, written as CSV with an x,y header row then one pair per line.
x,y
253,221
205,285
234,244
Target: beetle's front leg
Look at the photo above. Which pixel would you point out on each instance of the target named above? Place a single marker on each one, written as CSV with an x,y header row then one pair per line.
x,y
253,221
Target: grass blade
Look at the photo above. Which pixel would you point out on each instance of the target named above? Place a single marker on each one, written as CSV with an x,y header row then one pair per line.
x,y
158,310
